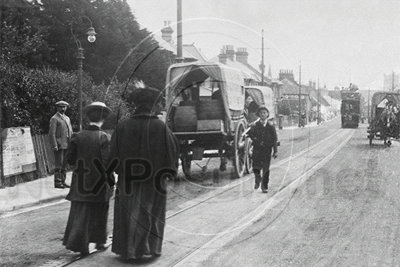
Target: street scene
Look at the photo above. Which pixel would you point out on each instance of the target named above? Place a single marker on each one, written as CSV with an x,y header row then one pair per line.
x,y
199,133
315,213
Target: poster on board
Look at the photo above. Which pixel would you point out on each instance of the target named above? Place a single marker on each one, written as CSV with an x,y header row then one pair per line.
x,y
18,151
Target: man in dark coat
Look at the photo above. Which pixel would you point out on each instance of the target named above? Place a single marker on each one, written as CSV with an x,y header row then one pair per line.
x,y
90,190
147,152
264,137
60,133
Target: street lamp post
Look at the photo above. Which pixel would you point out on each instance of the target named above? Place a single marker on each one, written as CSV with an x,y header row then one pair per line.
x,y
91,38
80,59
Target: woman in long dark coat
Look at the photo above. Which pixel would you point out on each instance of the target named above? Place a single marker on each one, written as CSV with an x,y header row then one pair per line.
x,y
90,191
147,152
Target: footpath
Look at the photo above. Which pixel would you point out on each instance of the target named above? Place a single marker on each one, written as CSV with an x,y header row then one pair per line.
x,y
42,190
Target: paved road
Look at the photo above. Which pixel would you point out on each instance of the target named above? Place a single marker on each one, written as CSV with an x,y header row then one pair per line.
x,y
346,214
318,206
327,198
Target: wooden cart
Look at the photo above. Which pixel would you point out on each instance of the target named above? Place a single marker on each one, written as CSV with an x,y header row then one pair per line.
x,y
205,110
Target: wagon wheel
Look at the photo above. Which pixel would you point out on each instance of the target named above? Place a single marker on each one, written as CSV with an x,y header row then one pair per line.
x,y
249,156
186,161
240,150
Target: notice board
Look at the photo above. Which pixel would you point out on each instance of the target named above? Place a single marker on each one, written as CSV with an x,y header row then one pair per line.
x,y
18,151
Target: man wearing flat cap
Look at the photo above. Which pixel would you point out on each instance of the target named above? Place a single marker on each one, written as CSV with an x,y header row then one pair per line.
x,y
90,192
60,133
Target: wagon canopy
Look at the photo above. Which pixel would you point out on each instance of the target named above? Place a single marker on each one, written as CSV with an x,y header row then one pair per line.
x,y
379,99
262,95
230,81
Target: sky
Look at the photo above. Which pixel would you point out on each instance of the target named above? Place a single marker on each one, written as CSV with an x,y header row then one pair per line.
x,y
330,42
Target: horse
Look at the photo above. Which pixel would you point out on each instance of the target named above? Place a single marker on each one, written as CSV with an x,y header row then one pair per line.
x,y
389,125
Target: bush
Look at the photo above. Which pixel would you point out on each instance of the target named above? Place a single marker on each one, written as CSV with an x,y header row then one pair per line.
x,y
29,96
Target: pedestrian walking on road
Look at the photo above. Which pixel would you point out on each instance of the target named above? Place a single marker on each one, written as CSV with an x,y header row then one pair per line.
x,y
147,152
303,119
265,140
90,191
60,133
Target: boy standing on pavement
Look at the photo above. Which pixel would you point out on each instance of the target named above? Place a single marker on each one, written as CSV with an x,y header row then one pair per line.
x,y
264,137
60,133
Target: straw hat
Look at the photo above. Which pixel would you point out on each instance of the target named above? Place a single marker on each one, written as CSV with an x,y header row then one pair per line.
x,y
96,111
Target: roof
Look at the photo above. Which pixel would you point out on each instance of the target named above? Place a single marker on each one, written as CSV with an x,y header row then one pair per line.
x,y
291,88
334,94
322,100
193,50
188,51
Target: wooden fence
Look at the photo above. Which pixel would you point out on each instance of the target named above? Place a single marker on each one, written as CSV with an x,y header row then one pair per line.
x,y
44,155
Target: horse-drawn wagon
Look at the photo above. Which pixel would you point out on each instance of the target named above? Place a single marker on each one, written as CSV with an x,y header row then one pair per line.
x,y
384,117
205,104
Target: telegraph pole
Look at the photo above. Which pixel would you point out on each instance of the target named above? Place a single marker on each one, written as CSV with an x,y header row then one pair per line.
x,y
179,57
369,89
300,94
319,106
392,80
262,57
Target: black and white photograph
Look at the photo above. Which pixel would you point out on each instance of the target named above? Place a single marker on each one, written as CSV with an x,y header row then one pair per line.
x,y
199,133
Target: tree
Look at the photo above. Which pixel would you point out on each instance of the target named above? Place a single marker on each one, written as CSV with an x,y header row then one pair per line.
x,y
33,94
122,49
38,58
21,37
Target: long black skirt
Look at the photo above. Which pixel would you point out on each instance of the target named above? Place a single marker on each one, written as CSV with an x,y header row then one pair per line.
x,y
87,223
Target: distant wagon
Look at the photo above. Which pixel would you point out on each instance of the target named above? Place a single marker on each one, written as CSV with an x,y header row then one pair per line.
x,y
385,117
205,109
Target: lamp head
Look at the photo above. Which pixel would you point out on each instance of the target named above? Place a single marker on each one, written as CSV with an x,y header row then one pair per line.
x,y
91,35
91,38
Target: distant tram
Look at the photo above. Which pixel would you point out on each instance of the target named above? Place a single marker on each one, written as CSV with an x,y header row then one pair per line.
x,y
351,108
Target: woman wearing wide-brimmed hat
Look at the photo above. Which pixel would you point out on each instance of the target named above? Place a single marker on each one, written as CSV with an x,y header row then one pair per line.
x,y
265,139
147,152
90,192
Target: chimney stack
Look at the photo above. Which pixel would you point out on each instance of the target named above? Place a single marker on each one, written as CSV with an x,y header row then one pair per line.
x,y
222,56
167,31
242,55
230,52
288,74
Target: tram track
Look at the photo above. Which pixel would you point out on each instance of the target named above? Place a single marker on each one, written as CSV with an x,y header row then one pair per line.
x,y
221,190
202,252
219,239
